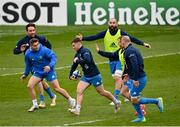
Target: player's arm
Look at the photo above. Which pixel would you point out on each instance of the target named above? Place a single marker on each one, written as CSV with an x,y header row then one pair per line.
x,y
134,62
86,58
47,43
20,47
107,54
135,40
53,59
73,68
100,35
27,68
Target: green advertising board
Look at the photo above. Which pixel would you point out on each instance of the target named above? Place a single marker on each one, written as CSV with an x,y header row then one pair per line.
x,y
89,12
141,12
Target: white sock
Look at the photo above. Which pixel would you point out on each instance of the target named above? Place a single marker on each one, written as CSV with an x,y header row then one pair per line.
x,y
70,99
35,102
115,100
78,107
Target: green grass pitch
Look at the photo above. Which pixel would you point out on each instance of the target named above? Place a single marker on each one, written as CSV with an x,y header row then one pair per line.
x,y
162,65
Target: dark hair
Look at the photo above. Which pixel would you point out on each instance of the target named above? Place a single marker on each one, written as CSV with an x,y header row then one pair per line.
x,y
30,25
75,40
33,40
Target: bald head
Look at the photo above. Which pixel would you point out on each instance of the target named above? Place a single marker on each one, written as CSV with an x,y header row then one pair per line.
x,y
112,20
124,41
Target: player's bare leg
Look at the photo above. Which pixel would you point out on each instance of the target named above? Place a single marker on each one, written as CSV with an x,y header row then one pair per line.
x,y
41,92
118,85
125,92
100,89
81,87
63,92
49,92
32,82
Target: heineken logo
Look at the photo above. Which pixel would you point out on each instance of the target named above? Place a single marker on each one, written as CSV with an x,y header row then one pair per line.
x,y
153,14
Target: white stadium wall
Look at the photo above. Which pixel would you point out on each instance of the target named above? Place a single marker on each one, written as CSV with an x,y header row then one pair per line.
x,y
41,12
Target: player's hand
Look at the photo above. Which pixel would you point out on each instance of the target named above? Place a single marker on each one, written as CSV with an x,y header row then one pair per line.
x,y
97,48
79,35
23,47
23,77
72,78
147,45
47,68
125,77
75,59
136,83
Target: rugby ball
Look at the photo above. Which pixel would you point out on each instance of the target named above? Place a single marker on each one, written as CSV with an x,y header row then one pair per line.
x,y
76,74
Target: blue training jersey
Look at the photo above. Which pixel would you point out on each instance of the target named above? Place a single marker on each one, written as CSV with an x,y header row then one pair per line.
x,y
36,60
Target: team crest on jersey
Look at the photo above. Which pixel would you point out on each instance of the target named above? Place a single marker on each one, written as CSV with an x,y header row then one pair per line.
x,y
40,58
97,83
131,55
134,93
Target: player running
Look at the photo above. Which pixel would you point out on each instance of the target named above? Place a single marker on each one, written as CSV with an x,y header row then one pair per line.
x,y
91,76
41,61
135,74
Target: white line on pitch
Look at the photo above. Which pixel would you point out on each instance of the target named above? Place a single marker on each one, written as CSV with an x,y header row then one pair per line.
x,y
83,122
65,67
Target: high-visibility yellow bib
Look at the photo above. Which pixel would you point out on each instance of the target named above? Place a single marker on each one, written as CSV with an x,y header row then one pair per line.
x,y
111,41
121,58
